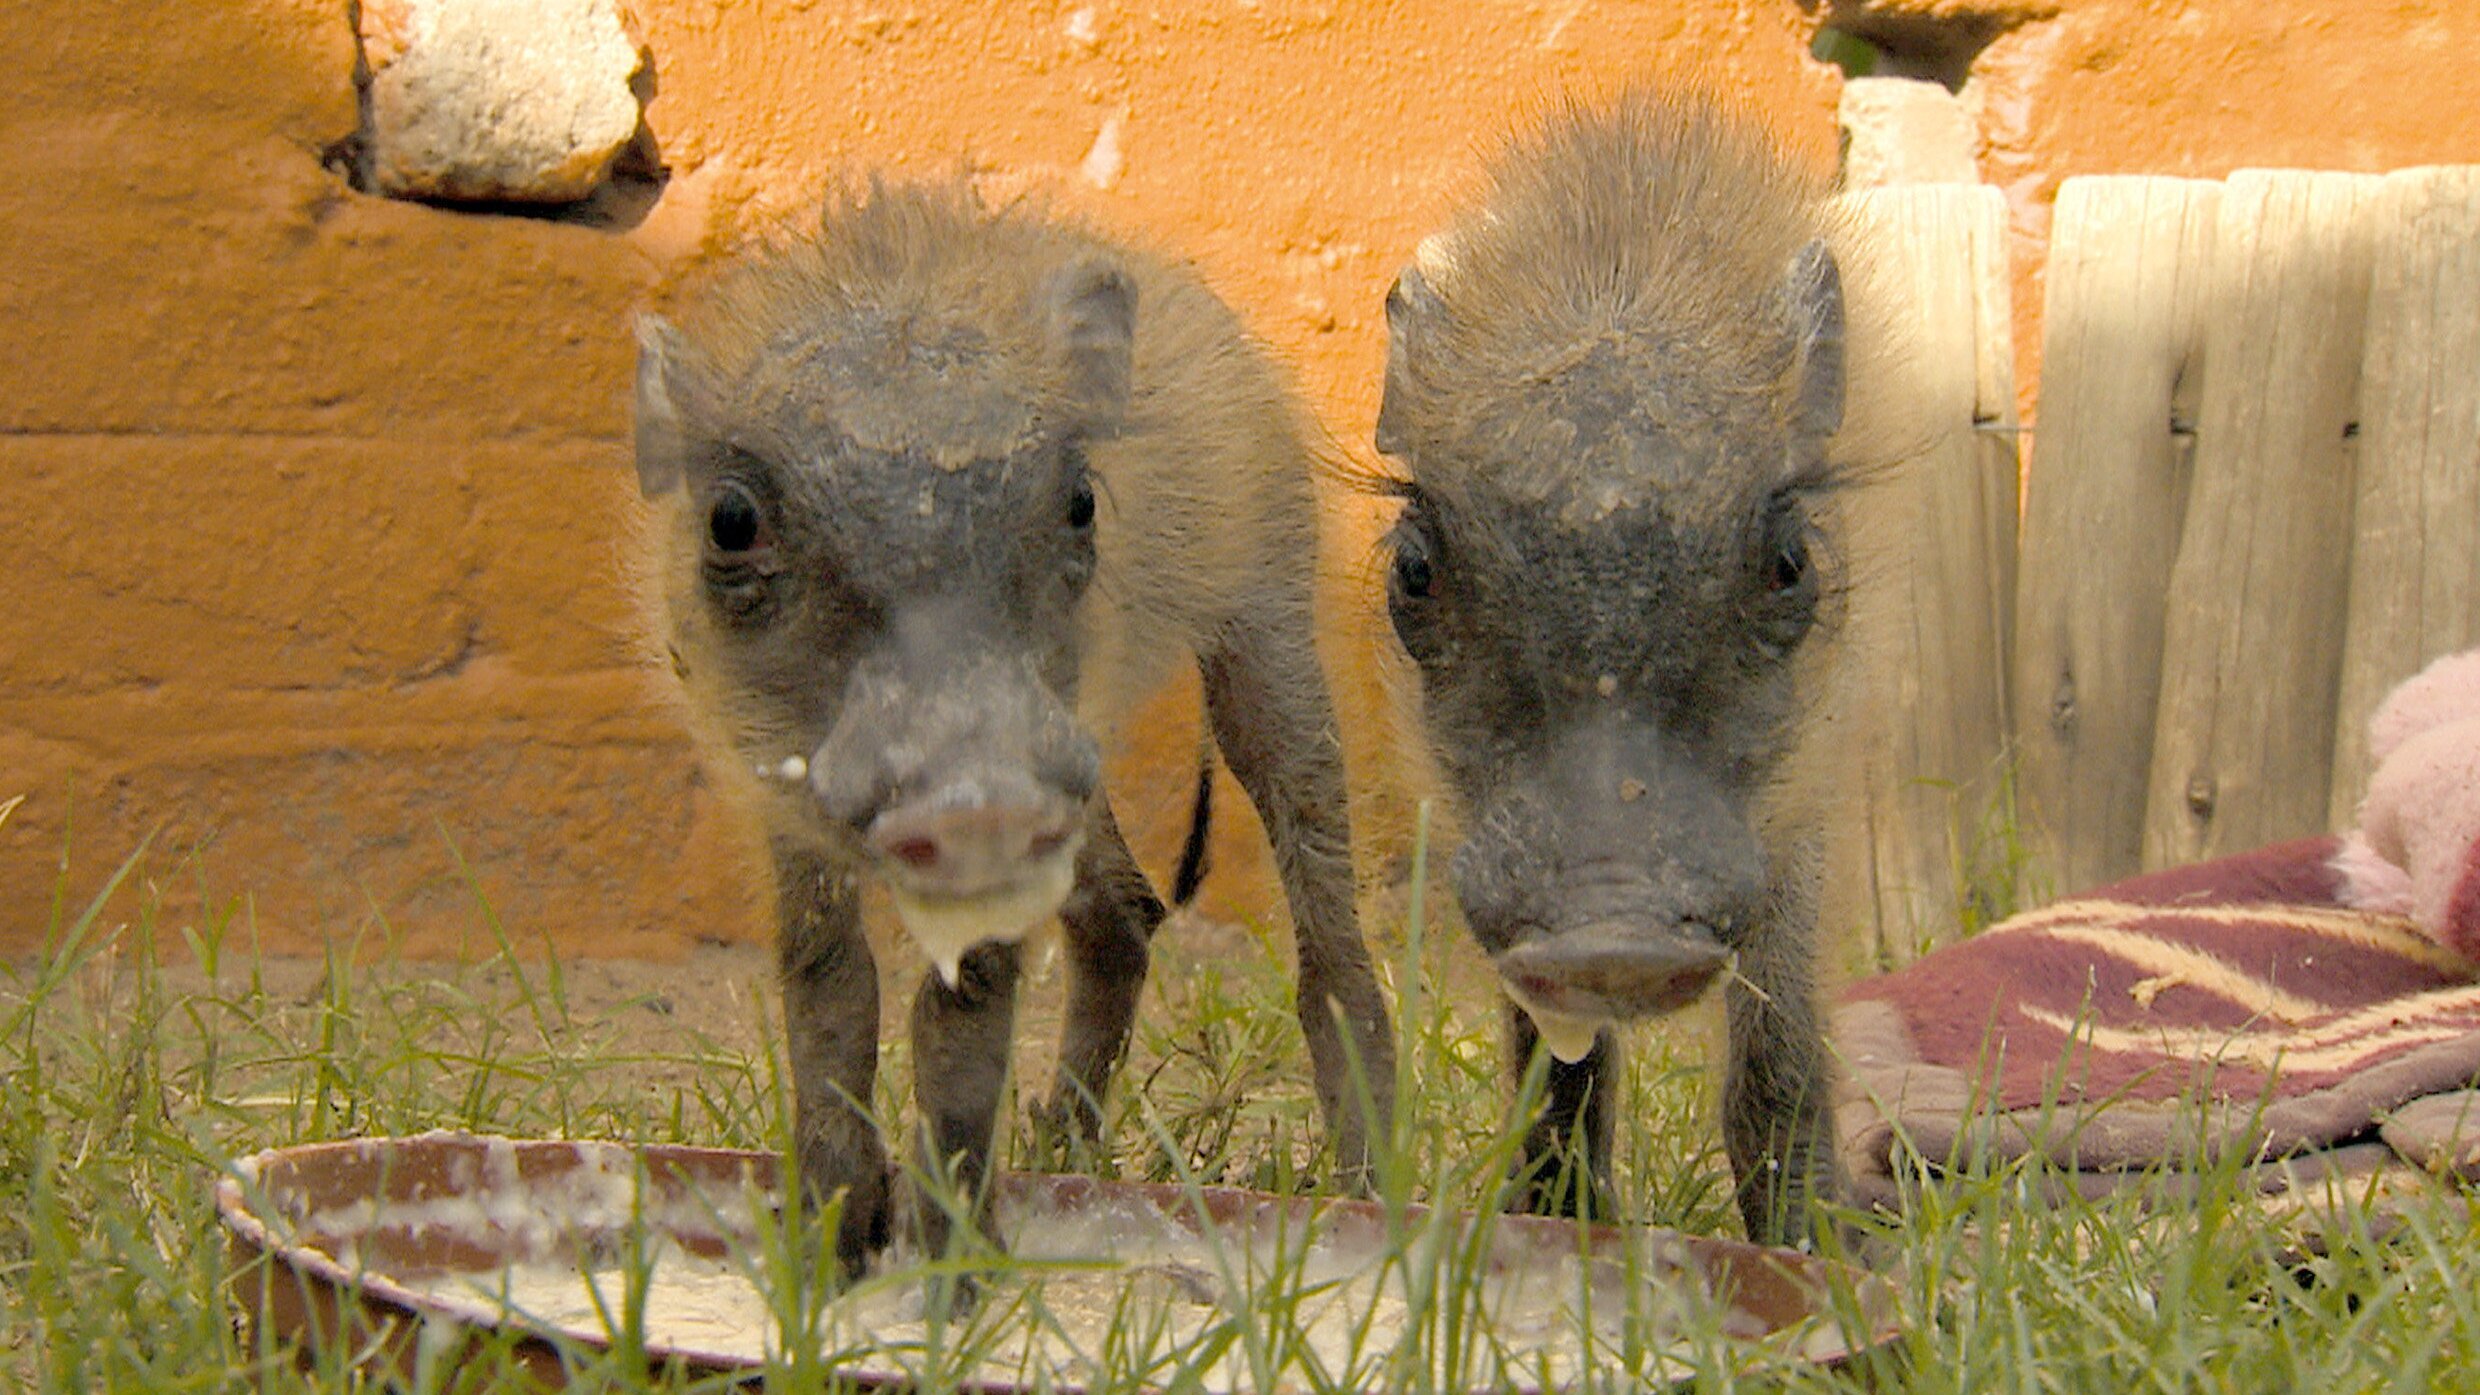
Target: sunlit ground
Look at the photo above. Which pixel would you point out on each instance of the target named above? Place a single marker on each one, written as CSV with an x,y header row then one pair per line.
x,y
144,1051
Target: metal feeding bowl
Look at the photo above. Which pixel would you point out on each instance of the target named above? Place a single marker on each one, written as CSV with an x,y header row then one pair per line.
x,y
399,1254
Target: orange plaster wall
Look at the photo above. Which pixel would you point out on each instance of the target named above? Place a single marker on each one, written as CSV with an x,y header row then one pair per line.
x,y
317,500
2202,87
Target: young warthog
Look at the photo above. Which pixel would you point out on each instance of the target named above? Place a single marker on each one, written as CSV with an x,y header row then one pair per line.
x,y
1611,386
942,491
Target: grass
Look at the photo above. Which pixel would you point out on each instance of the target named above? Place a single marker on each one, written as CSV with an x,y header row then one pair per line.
x,y
142,1050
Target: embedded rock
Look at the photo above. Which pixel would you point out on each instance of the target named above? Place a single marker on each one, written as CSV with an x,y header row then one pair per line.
x,y
1905,131
495,100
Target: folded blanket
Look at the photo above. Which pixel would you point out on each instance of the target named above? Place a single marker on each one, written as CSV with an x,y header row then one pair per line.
x,y
2169,1019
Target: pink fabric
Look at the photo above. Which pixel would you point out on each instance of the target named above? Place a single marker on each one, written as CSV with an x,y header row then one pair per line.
x,y
2249,955
2227,1007
2280,1004
2419,835
2446,691
2369,882
2422,814
2461,918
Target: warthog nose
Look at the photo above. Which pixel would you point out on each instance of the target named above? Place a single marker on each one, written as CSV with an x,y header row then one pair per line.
x,y
1614,971
969,849
914,851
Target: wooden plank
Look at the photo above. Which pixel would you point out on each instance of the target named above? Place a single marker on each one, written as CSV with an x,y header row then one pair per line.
x,y
1932,545
2252,639
1995,417
2415,556
2122,337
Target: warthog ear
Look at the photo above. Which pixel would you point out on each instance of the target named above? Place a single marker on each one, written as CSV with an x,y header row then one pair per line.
x,y
1812,293
1411,308
662,445
1094,314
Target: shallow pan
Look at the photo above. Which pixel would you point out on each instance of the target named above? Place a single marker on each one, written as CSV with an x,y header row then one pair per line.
x,y
386,1249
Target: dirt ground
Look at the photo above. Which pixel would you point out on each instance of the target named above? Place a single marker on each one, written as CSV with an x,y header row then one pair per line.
x,y
656,1019
725,991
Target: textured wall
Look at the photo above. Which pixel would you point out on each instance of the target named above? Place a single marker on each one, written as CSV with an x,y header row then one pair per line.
x,y
314,496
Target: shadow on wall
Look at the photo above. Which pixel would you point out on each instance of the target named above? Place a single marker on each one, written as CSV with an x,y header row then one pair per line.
x,y
1873,38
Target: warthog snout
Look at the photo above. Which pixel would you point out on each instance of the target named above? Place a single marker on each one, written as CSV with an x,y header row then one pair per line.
x,y
1613,971
962,846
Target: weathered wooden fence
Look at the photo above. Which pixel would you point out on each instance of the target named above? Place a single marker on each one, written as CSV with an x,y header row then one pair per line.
x,y
2252,506
1932,557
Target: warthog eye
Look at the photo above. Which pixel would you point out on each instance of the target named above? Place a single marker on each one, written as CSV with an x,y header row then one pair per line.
x,y
1411,585
1789,574
740,552
734,525
1078,556
1790,564
1413,575
1080,475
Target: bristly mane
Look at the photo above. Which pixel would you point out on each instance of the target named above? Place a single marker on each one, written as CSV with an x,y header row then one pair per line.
x,y
929,252
1651,219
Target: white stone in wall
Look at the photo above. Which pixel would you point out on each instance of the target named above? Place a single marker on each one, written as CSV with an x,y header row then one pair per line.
x,y
1107,159
1905,131
474,100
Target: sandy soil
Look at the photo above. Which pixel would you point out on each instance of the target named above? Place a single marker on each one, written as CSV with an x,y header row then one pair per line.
x,y
714,999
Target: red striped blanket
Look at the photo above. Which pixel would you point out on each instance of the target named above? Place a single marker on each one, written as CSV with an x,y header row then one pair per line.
x,y
2163,1020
